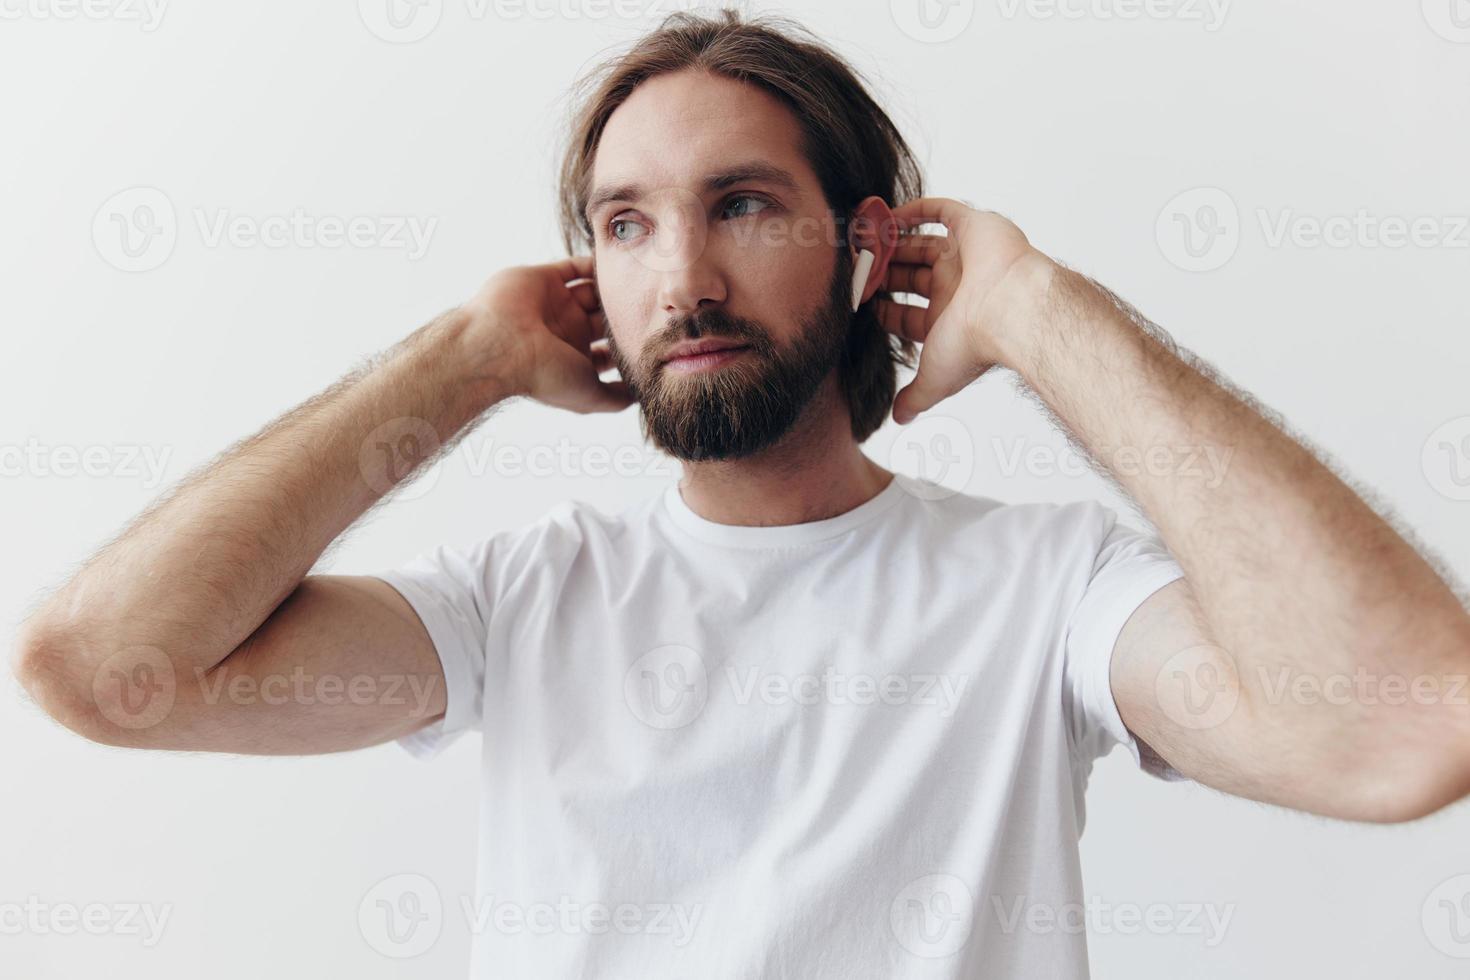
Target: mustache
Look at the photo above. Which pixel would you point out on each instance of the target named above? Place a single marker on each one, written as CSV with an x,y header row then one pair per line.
x,y
709,323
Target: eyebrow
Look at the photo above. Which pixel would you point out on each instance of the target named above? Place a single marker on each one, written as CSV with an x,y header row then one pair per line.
x,y
753,172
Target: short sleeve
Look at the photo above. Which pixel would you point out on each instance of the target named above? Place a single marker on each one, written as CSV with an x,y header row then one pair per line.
x,y
1129,567
449,590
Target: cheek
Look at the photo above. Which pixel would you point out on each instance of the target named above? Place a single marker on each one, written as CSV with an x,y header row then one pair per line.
x,y
633,312
629,314
612,288
778,280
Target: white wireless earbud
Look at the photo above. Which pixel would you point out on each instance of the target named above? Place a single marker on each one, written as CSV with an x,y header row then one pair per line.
x,y
860,277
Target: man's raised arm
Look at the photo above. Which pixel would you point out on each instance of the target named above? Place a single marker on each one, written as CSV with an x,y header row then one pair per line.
x,y
1311,657
150,642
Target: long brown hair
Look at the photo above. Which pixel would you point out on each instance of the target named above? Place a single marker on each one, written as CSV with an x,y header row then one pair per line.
x,y
853,147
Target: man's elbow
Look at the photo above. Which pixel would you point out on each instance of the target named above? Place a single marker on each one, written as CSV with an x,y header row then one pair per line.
x,y
52,671
1421,784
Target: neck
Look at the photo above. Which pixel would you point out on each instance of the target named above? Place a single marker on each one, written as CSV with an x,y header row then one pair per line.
x,y
815,471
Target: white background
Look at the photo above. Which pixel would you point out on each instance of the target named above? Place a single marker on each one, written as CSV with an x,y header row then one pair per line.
x,y
1080,123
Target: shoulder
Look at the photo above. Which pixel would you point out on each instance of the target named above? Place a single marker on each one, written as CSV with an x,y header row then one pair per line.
x,y
567,525
1057,528
549,544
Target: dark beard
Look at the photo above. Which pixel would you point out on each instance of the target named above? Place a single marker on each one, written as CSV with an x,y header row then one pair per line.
x,y
749,404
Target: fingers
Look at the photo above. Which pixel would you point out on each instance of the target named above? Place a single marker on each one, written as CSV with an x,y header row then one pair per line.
x,y
928,388
923,393
615,396
931,210
917,249
904,319
905,278
570,379
602,396
586,295
574,267
601,357
945,367
577,318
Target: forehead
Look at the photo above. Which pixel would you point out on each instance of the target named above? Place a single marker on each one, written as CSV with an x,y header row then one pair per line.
x,y
677,127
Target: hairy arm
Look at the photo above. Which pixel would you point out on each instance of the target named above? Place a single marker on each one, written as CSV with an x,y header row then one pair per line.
x,y
200,627
1311,657
186,630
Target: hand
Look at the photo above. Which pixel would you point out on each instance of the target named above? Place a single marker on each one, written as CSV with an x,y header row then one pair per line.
x,y
547,338
975,279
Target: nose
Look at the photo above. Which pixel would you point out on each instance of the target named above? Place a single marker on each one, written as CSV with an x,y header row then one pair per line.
x,y
690,276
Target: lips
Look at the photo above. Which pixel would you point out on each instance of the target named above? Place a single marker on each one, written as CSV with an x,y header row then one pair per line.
x,y
691,348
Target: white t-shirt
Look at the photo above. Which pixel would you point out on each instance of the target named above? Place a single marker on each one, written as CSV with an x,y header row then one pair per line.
x,y
848,748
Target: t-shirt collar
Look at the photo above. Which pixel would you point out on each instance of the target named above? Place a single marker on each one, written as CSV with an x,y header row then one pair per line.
x,y
779,535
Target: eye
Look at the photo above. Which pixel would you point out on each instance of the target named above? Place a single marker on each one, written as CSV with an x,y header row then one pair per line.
x,y
735,199
612,228
735,202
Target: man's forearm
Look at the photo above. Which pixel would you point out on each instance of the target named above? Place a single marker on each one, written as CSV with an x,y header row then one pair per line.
x,y
1295,575
199,571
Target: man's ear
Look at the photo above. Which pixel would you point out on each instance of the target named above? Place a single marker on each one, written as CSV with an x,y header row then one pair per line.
x,y
871,229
